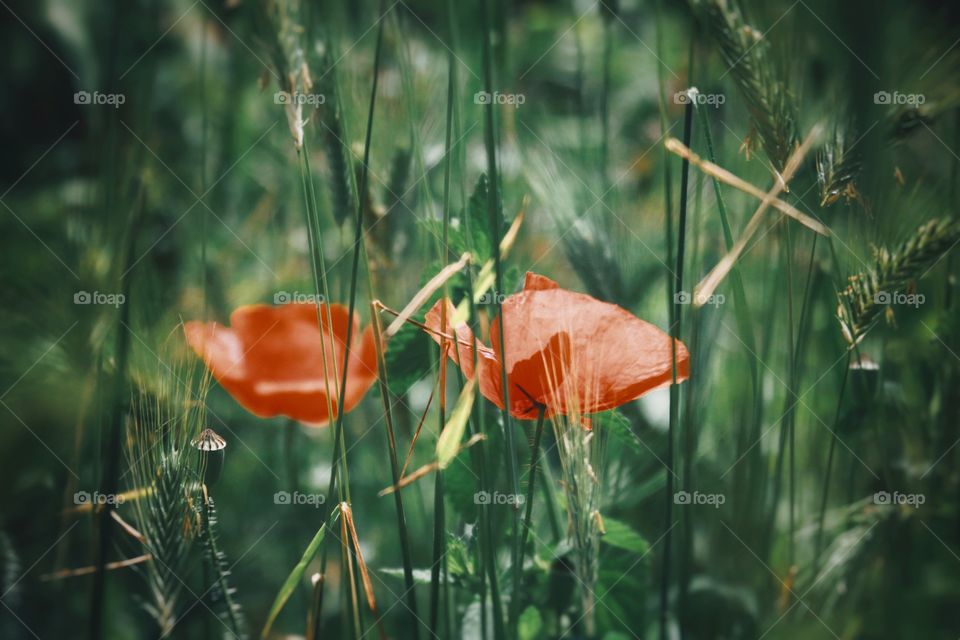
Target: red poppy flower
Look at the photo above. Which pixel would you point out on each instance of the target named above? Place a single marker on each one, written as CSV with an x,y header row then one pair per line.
x,y
566,351
271,359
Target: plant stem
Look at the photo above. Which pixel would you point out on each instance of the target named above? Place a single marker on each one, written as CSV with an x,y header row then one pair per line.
x,y
608,17
493,213
358,231
409,583
119,405
675,325
818,546
531,483
339,463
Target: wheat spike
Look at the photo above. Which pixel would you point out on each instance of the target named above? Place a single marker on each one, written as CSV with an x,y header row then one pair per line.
x,y
747,54
870,292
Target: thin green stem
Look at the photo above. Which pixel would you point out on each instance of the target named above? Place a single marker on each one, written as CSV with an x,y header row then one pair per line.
x,y
439,516
493,213
409,583
357,242
675,327
824,495
531,483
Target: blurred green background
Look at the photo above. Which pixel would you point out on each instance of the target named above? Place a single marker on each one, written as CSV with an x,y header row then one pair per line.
x,y
188,197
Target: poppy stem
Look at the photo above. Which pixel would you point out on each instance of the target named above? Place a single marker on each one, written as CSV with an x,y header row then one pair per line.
x,y
531,483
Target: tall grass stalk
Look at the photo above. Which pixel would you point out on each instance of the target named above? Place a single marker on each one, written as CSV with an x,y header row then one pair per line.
x,y
358,224
607,11
668,230
119,406
494,215
438,567
825,493
409,585
486,555
783,274
339,463
318,268
532,481
675,327
750,427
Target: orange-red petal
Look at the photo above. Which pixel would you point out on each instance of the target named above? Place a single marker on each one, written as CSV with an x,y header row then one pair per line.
x,y
278,361
567,351
614,357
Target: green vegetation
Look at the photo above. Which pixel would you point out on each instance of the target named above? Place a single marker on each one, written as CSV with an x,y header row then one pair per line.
x,y
791,222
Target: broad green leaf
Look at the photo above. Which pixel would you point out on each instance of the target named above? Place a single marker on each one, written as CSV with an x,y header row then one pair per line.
x,y
474,216
460,487
530,624
477,217
448,444
295,576
408,358
619,429
622,536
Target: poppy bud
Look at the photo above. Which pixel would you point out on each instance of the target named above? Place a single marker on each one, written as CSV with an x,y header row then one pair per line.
x,y
211,447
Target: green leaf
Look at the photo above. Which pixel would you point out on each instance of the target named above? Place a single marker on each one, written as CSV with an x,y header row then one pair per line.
x,y
407,358
530,624
294,578
460,487
459,560
476,217
619,429
477,242
622,536
448,444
